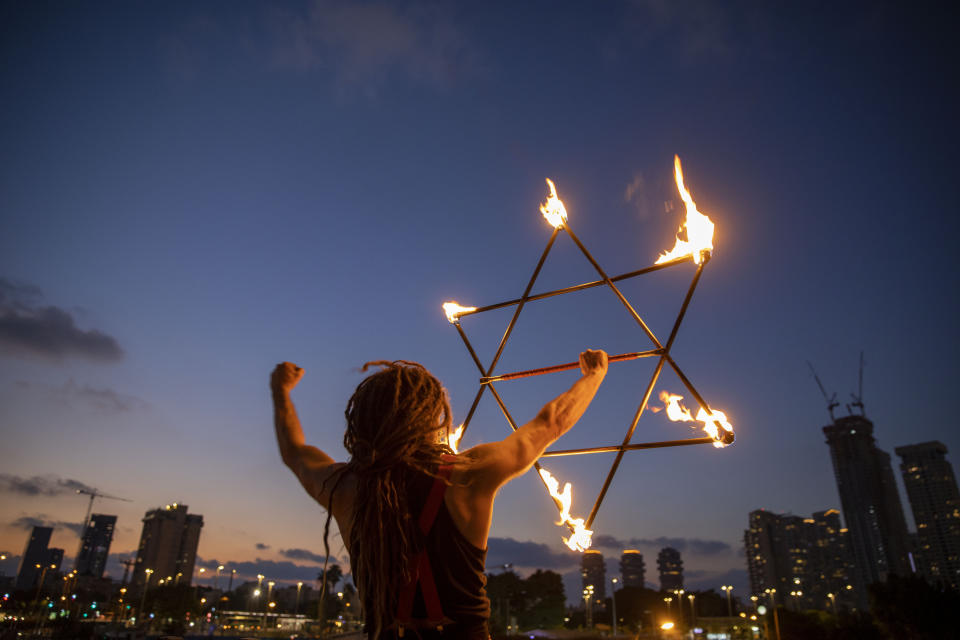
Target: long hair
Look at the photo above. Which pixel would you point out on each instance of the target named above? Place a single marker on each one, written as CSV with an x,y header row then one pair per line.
x,y
393,421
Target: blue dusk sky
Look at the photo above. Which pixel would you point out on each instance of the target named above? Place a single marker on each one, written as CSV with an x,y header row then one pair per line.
x,y
192,192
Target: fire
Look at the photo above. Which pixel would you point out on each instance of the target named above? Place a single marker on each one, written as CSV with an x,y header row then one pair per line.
x,y
453,310
712,422
581,538
453,438
553,209
699,227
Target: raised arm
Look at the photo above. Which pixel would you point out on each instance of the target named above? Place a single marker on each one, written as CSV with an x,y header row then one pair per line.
x,y
499,462
311,465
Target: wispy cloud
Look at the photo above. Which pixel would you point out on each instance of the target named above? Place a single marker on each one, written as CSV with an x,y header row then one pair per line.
x,y
27,523
46,485
502,551
72,395
261,546
364,43
695,546
304,554
50,333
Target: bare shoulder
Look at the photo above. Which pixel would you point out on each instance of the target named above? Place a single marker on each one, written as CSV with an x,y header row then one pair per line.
x,y
485,468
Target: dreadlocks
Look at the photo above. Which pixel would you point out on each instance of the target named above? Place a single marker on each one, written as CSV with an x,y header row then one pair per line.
x,y
393,420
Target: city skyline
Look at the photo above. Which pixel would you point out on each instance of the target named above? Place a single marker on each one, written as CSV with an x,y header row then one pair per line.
x,y
189,198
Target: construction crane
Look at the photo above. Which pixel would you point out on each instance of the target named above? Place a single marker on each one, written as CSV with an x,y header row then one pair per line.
x,y
858,397
831,400
127,565
94,494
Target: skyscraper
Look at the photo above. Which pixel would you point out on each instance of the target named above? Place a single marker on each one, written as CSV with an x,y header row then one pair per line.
x,y
670,566
935,502
95,545
871,504
632,569
593,571
37,552
168,544
799,561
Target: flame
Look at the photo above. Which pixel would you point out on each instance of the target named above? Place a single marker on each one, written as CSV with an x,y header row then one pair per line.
x,y
553,209
666,626
453,310
453,439
699,227
581,538
712,422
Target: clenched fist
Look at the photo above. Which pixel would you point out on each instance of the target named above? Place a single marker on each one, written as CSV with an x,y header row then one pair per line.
x,y
285,376
593,361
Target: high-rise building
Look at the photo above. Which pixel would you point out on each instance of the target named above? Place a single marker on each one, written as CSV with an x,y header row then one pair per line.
x,y
670,566
95,545
871,504
38,552
935,502
593,571
632,569
168,545
799,561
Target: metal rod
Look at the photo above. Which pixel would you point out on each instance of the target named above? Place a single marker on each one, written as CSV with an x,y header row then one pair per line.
x,y
626,440
629,447
523,299
613,287
579,287
726,437
476,398
567,366
686,301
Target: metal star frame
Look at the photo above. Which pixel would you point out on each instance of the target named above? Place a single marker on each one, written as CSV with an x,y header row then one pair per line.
x,y
661,351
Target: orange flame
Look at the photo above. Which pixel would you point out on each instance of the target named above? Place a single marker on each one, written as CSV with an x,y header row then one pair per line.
x,y
699,227
581,538
453,311
553,209
453,439
712,422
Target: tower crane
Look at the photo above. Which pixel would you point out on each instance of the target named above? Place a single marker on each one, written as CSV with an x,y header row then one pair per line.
x,y
858,397
94,494
831,400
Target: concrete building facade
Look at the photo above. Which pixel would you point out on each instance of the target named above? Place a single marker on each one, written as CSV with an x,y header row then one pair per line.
x,y
935,501
632,569
670,567
870,502
168,545
95,546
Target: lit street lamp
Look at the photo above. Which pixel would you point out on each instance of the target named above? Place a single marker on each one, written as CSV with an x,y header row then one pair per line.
x,y
143,596
296,609
588,599
613,599
728,588
693,608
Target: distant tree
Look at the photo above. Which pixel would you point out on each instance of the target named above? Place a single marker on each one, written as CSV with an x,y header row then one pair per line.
x,y
508,598
544,601
910,608
639,605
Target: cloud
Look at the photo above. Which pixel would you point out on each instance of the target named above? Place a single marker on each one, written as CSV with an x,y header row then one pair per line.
x,y
48,333
704,580
29,522
47,485
635,193
695,546
304,554
366,43
262,547
695,29
502,551
72,395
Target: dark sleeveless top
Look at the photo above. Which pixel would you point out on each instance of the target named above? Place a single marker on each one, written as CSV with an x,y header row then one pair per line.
x,y
458,570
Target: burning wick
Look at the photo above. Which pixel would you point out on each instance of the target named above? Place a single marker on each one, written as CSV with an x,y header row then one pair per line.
x,y
712,423
581,538
553,209
453,311
453,439
699,227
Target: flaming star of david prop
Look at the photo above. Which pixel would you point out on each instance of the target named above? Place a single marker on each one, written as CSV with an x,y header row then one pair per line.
x,y
696,248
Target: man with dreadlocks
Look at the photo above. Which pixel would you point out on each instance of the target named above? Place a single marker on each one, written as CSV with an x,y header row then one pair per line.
x,y
413,517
